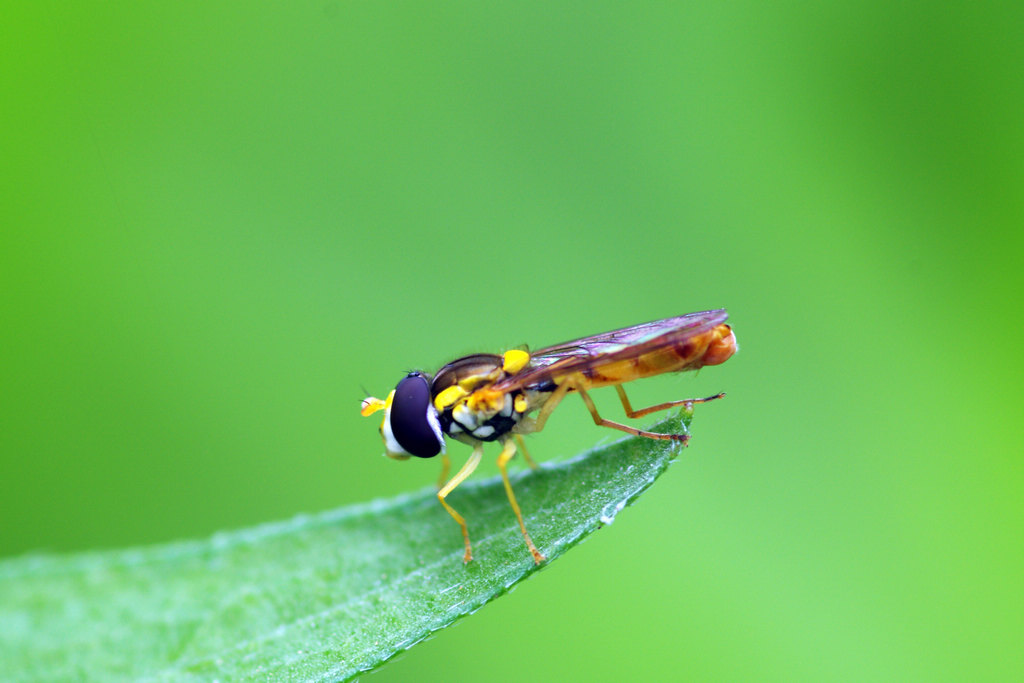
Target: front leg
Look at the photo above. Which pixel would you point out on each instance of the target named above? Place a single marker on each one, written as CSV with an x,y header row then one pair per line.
x,y
467,469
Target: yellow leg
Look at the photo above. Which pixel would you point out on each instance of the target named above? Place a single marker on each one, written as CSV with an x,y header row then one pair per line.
x,y
526,453
446,466
661,406
508,450
601,422
549,405
467,469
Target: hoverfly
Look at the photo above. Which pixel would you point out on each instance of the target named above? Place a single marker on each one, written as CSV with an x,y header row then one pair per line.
x,y
489,397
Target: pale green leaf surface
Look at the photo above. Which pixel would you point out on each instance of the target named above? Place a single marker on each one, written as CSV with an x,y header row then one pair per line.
x,y
316,598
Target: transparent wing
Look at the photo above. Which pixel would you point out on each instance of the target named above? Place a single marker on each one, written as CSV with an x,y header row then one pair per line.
x,y
610,347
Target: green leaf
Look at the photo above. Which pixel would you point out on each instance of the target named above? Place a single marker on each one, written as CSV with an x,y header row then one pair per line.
x,y
318,597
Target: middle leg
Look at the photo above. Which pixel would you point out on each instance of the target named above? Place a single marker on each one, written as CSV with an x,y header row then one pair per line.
x,y
507,451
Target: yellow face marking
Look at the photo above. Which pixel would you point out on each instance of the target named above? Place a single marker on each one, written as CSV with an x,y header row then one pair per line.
x,y
371,405
387,404
449,396
515,360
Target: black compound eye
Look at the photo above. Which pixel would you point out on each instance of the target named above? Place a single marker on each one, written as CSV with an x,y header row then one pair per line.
x,y
413,418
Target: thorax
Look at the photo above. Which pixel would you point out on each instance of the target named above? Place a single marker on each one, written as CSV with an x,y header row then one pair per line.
x,y
468,406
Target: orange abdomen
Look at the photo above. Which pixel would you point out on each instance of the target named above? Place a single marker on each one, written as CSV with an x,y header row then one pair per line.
x,y
710,348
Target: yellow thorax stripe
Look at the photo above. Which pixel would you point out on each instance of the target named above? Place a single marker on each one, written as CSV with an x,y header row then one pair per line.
x,y
449,396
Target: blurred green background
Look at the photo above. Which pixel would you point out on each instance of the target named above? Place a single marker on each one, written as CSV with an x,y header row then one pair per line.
x,y
221,221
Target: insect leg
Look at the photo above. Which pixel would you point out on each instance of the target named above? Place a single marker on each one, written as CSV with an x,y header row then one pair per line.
x,y
549,405
526,453
601,422
507,451
661,406
446,466
467,469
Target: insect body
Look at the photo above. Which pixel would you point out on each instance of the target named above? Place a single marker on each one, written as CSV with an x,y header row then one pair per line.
x,y
490,397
